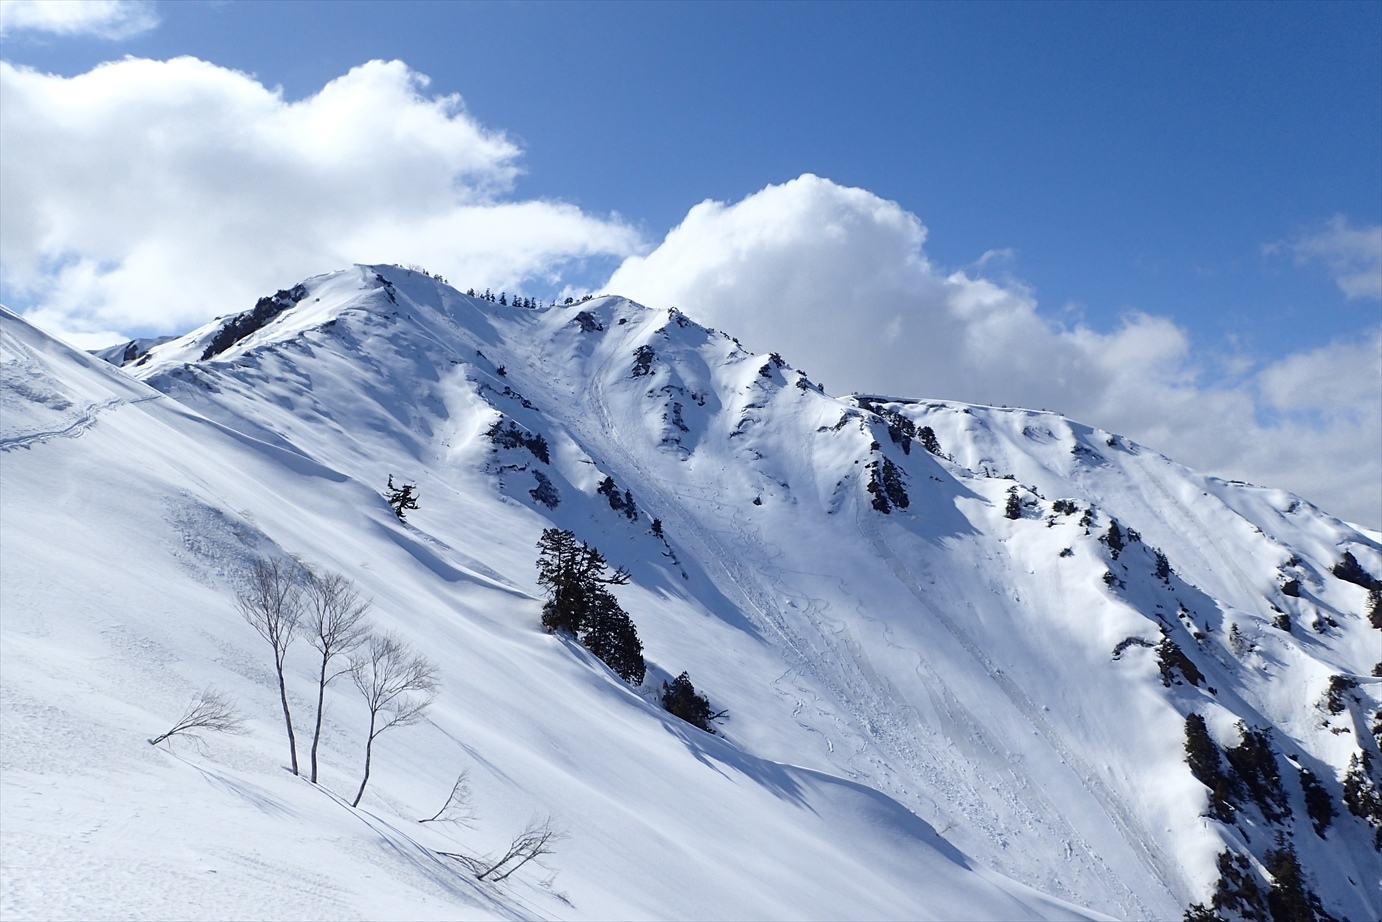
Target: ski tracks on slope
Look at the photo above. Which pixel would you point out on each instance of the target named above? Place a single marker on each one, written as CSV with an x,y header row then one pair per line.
x,y
890,725
734,578
1122,818
74,429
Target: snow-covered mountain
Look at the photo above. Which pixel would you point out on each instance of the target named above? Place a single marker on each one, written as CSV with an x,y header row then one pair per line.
x,y
961,647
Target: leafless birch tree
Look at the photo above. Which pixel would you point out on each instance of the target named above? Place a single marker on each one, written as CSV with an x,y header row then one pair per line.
x,y
210,710
536,840
398,685
335,625
271,601
458,807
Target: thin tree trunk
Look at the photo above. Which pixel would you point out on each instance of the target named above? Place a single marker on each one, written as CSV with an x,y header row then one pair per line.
x,y
287,718
369,746
317,734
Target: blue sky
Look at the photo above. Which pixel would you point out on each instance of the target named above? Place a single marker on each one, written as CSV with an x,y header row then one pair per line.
x,y
1129,155
1193,190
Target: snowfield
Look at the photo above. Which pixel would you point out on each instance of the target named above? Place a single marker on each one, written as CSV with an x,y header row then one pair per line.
x,y
936,710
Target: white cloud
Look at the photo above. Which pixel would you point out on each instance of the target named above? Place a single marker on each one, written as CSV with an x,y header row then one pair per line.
x,y
836,280
150,195
153,195
108,19
1352,254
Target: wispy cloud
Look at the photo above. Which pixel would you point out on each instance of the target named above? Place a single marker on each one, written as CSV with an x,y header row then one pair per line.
x,y
1353,255
153,195
108,19
837,280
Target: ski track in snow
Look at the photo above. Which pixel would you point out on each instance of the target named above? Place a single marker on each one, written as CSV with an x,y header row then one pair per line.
x,y
937,713
84,421
1128,826
891,729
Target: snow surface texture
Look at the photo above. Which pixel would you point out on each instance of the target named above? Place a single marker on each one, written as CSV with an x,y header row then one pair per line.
x,y
936,710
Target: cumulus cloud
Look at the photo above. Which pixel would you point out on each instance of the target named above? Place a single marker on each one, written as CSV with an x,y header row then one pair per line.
x,y
152,195
148,196
1353,255
837,280
108,19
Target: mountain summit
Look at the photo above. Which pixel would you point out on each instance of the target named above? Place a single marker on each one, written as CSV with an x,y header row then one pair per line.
x,y
978,662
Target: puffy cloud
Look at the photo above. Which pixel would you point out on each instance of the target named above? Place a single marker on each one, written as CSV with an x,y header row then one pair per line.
x,y
1353,255
108,19
836,279
151,195
147,196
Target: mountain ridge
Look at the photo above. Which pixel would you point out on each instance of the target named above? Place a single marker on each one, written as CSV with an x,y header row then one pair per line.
x,y
865,607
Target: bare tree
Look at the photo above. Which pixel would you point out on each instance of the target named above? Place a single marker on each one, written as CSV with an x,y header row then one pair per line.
x,y
398,685
335,625
536,839
458,808
210,710
271,601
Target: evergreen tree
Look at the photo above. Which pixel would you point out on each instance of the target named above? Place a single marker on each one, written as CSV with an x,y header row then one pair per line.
x,y
1202,755
1114,539
680,699
402,499
1254,764
1350,570
1013,510
570,571
1289,899
1317,801
1361,795
927,435
579,602
612,637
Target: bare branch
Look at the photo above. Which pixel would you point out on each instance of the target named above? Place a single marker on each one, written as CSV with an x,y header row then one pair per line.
x,y
472,864
271,601
398,686
458,808
336,614
335,623
210,710
536,839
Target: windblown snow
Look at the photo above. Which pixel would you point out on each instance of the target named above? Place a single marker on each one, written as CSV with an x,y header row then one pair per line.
x,y
951,693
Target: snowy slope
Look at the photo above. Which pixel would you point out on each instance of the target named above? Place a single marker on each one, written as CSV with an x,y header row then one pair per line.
x,y
936,710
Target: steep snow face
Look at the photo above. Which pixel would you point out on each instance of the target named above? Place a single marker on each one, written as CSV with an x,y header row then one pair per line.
x,y
952,674
128,521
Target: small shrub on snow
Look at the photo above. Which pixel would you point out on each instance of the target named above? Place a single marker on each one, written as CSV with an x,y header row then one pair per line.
x,y
1318,803
1339,686
401,499
1013,509
1349,570
680,699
